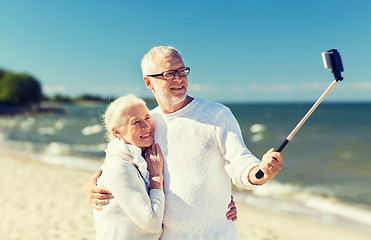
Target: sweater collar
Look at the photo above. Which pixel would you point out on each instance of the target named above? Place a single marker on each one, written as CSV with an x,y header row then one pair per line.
x,y
130,153
181,111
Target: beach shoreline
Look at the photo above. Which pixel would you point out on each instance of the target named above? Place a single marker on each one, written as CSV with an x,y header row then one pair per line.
x,y
42,201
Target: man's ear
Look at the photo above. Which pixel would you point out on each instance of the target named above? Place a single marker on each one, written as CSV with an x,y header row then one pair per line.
x,y
148,83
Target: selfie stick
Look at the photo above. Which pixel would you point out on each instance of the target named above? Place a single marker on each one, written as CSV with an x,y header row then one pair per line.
x,y
332,61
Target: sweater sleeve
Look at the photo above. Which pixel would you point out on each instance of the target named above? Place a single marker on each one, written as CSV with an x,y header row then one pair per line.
x,y
121,178
238,158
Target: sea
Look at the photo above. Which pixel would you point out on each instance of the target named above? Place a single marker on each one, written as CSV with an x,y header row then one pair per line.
x,y
326,175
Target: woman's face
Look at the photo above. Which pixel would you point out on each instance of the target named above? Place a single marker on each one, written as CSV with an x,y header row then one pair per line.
x,y
138,128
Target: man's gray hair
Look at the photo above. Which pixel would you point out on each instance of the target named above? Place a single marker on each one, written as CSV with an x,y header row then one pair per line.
x,y
147,63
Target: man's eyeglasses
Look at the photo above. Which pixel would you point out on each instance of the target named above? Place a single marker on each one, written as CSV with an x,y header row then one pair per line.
x,y
170,74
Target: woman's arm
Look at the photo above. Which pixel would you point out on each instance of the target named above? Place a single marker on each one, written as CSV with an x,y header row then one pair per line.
x,y
127,187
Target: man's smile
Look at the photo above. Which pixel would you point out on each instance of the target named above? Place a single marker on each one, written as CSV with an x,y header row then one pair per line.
x,y
177,88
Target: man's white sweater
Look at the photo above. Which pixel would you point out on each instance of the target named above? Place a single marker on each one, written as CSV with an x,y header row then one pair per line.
x,y
203,150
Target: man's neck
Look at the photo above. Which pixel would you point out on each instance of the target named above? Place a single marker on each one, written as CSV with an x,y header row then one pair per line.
x,y
166,109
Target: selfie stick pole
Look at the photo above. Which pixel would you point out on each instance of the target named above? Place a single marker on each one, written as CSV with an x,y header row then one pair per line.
x,y
332,61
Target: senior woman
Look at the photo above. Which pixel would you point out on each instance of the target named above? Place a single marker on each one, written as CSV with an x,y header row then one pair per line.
x,y
136,183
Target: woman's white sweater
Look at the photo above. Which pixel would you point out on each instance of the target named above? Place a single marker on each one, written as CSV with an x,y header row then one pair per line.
x,y
203,150
132,213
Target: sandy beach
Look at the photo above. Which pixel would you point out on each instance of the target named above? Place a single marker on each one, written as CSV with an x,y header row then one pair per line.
x,y
40,201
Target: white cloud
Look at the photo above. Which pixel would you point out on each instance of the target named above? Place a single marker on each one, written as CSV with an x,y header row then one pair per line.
x,y
313,85
196,87
297,91
103,90
237,89
286,88
363,85
281,88
139,90
50,89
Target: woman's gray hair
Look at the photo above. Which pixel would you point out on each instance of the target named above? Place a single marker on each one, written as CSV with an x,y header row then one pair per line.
x,y
116,114
148,59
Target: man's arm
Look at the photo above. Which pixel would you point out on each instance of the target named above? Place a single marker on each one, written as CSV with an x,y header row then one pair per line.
x,y
271,164
97,196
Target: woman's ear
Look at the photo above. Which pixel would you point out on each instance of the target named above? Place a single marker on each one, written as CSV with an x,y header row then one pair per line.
x,y
116,132
148,83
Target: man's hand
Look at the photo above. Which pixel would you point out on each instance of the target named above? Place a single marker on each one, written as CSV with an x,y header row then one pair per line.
x,y
232,213
97,196
271,164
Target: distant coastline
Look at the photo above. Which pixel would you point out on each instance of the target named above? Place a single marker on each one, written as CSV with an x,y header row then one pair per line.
x,y
56,107
29,109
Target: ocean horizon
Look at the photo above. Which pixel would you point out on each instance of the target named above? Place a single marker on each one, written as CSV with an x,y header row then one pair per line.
x,y
326,171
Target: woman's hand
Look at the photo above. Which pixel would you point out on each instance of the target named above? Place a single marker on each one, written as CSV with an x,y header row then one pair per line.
x,y
155,166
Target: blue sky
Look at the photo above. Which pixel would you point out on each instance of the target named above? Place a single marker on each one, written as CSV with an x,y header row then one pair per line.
x,y
238,50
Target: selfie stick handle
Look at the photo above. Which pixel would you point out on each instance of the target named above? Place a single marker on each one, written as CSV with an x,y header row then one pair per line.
x,y
260,173
336,67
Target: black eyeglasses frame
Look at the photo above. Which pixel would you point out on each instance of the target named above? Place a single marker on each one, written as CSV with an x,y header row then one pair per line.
x,y
187,69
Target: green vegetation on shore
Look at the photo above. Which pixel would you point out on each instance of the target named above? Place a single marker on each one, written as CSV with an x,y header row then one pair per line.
x,y
19,88
23,91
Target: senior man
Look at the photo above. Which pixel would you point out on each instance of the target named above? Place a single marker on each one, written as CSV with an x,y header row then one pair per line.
x,y
203,150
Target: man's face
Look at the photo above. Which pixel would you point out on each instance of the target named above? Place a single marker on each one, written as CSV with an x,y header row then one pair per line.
x,y
170,92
